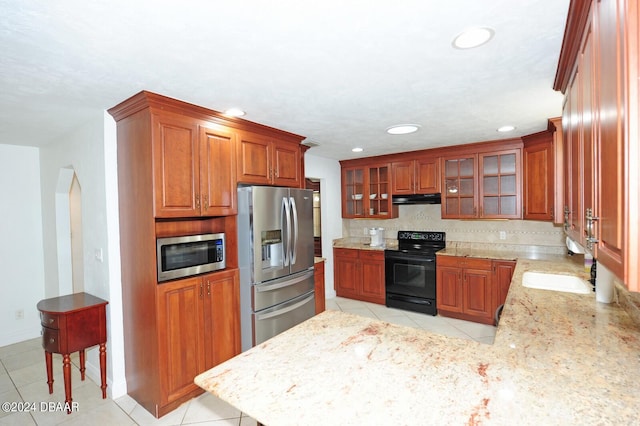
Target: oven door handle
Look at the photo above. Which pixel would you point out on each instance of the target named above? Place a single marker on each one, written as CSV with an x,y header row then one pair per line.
x,y
401,257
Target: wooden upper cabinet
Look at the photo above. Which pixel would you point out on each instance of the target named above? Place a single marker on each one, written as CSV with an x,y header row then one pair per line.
x,y
598,73
266,161
176,172
194,168
366,192
421,176
538,163
217,172
500,181
460,195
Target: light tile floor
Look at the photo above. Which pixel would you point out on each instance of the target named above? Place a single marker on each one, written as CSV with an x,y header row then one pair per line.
x,y
23,380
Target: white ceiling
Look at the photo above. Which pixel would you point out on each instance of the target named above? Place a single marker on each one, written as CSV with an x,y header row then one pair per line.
x,y
336,71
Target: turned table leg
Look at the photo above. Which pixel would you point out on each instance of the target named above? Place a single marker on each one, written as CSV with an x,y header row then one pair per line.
x,y
66,370
48,361
103,370
82,368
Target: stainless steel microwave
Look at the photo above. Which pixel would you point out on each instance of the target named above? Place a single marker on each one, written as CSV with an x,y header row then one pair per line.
x,y
180,257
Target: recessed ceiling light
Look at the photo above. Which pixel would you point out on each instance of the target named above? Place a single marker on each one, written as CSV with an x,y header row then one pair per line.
x,y
505,129
357,149
234,112
402,129
473,37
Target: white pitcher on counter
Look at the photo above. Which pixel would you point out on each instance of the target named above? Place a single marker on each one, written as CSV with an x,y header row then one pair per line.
x,y
377,237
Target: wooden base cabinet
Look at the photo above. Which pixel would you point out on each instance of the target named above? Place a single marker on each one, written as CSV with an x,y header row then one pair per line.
x,y
199,327
318,276
359,274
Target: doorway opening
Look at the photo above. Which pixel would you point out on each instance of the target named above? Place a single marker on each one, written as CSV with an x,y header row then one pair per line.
x,y
314,184
68,201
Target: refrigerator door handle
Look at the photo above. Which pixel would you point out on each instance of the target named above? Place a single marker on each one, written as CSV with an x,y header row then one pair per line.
x,y
285,224
294,245
269,287
285,309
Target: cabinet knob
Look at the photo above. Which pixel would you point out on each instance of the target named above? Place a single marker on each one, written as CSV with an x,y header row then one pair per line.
x,y
52,340
51,320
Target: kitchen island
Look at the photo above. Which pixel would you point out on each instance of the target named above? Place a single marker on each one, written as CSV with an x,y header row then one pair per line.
x,y
557,358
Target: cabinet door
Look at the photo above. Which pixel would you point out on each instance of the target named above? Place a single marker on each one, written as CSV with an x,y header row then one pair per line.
x,y
222,317
176,182
346,272
254,159
372,280
612,183
286,164
459,179
218,172
476,295
500,195
449,288
503,272
377,197
538,163
403,177
353,189
180,336
427,175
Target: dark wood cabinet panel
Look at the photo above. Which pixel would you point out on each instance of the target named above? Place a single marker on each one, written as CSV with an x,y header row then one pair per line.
x,y
181,337
359,274
318,276
218,172
538,165
598,73
420,176
263,160
465,288
503,272
176,166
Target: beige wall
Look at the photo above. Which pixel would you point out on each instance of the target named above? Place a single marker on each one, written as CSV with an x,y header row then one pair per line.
x,y
476,232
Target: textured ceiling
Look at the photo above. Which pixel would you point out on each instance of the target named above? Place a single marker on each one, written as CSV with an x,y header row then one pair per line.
x,y
337,72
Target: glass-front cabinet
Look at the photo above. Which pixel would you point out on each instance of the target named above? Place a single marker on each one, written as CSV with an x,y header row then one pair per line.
x,y
484,185
459,198
500,185
366,192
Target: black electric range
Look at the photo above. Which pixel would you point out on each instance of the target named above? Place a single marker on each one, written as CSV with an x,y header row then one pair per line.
x,y
410,271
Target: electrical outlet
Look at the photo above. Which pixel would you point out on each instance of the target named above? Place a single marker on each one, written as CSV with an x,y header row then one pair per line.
x,y
20,314
503,235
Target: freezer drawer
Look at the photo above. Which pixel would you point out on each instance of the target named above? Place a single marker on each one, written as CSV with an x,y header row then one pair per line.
x,y
270,322
274,292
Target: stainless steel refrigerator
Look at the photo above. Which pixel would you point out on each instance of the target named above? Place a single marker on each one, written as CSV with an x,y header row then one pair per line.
x,y
275,255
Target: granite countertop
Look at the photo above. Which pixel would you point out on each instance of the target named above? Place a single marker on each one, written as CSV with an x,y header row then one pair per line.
x,y
363,243
557,358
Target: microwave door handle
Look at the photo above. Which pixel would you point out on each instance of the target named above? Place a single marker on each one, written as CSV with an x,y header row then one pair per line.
x,y
294,246
285,224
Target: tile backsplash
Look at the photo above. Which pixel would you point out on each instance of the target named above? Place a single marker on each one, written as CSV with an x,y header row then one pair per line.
x,y
427,217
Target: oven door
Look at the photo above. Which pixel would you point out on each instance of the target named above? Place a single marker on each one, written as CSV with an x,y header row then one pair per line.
x,y
410,274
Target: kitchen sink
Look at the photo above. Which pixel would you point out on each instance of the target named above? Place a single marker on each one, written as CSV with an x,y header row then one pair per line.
x,y
556,282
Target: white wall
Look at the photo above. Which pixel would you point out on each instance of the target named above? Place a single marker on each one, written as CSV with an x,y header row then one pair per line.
x,y
21,251
90,151
328,171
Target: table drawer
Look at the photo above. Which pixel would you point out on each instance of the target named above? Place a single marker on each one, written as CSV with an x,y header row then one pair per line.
x,y
50,340
48,320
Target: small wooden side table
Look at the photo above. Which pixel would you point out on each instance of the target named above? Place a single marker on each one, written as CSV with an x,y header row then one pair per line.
x,y
70,324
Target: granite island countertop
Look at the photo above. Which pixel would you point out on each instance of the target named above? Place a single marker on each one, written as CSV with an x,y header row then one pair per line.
x,y
557,358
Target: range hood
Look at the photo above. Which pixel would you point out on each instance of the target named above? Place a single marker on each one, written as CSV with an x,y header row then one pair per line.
x,y
417,199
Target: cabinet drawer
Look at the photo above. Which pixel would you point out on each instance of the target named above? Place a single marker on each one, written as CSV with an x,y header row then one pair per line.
x,y
49,320
50,340
465,262
346,252
372,254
